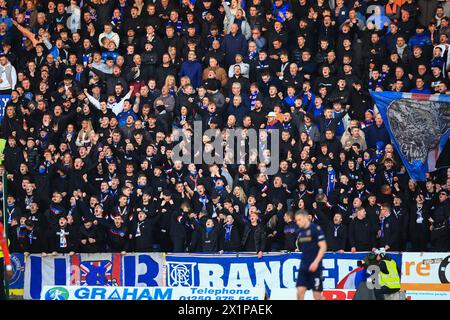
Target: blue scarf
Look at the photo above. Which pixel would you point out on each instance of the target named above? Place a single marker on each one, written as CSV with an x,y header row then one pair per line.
x,y
228,228
204,201
369,123
330,183
115,20
21,232
30,237
55,210
253,100
27,17
252,55
379,152
86,57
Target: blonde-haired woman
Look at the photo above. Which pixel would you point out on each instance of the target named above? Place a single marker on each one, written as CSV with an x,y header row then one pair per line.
x,y
240,195
234,6
84,135
237,15
171,84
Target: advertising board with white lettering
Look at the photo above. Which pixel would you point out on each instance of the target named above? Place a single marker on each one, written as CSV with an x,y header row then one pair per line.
x,y
427,295
149,293
277,270
429,271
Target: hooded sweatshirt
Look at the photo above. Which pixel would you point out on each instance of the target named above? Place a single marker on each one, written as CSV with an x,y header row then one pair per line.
x,y
8,77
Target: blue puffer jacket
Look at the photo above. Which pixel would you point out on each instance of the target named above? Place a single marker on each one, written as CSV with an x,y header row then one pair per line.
x,y
233,45
419,39
280,13
192,69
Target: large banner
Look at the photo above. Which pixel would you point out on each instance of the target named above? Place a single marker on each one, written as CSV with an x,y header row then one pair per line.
x,y
428,271
419,126
104,269
4,99
276,270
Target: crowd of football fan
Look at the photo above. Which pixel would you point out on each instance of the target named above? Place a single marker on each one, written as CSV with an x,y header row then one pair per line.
x,y
98,89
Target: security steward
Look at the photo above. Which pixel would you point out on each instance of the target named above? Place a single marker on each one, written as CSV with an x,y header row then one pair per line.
x,y
4,259
389,278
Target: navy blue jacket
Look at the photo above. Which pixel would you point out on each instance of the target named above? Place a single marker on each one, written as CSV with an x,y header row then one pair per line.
x,y
233,45
375,134
239,112
192,69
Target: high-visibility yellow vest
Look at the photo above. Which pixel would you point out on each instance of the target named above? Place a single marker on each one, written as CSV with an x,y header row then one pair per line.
x,y
1,251
392,278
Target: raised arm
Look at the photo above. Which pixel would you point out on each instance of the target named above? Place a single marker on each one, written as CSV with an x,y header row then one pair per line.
x,y
342,114
98,72
47,43
228,12
91,99
137,102
118,108
270,212
13,78
27,33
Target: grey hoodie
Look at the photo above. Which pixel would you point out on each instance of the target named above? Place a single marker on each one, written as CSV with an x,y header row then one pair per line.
x,y
8,76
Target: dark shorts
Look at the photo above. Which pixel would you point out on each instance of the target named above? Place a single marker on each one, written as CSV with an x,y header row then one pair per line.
x,y
310,280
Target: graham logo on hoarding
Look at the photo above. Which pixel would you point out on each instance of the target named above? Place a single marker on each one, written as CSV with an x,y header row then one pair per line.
x,y
58,293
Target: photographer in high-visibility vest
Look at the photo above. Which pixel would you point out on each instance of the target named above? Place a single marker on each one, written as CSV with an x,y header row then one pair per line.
x,y
388,277
6,259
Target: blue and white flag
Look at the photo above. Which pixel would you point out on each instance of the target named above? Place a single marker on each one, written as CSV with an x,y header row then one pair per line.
x,y
104,269
246,270
331,181
419,125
